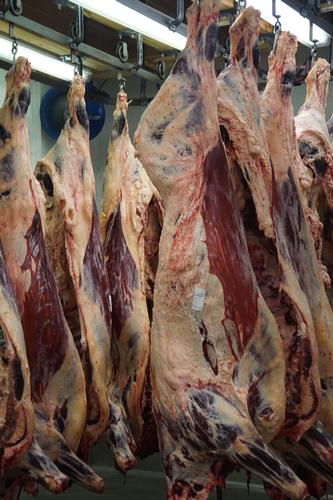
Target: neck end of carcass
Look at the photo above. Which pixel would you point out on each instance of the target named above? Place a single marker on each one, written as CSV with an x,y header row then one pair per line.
x,y
122,102
76,104
202,27
243,36
317,83
18,75
120,124
282,63
17,86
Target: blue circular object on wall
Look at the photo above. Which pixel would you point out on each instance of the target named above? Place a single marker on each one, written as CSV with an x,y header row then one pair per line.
x,y
53,113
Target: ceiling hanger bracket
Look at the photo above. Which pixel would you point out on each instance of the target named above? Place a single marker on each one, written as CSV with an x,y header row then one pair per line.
x,y
122,48
179,17
15,7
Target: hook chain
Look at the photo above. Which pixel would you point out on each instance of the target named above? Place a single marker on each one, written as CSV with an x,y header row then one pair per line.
x,y
277,28
14,41
14,49
314,52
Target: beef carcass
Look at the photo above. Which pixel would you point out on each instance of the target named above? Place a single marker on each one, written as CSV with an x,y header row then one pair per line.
x,y
288,210
315,148
273,260
16,410
127,207
216,352
73,237
57,378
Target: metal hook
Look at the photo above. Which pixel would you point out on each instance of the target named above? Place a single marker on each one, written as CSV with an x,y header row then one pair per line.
x,y
161,67
180,16
242,4
77,28
314,48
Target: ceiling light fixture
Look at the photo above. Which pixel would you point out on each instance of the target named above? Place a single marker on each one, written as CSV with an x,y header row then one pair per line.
x,y
291,21
132,19
123,15
40,62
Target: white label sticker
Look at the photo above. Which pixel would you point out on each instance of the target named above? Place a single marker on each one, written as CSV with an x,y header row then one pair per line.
x,y
198,299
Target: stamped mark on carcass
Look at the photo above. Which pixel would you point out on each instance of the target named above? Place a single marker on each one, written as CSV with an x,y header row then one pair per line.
x,y
198,299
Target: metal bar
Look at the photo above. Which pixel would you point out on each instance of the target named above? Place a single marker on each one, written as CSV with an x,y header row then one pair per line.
x,y
311,15
86,50
154,14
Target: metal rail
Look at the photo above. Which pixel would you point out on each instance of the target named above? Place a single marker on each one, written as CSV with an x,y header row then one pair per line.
x,y
86,50
154,14
310,14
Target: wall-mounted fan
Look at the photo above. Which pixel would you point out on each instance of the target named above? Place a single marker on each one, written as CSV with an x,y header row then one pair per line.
x,y
54,111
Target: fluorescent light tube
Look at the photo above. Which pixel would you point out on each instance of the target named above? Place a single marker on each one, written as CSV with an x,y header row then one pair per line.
x,y
133,20
291,21
115,11
39,61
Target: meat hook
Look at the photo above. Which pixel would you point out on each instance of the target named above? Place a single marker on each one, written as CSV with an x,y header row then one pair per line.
x,y
77,27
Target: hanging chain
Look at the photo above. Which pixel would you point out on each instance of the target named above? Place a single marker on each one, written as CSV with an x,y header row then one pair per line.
x,y
14,49
78,67
13,38
276,31
122,83
314,52
239,5
277,26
